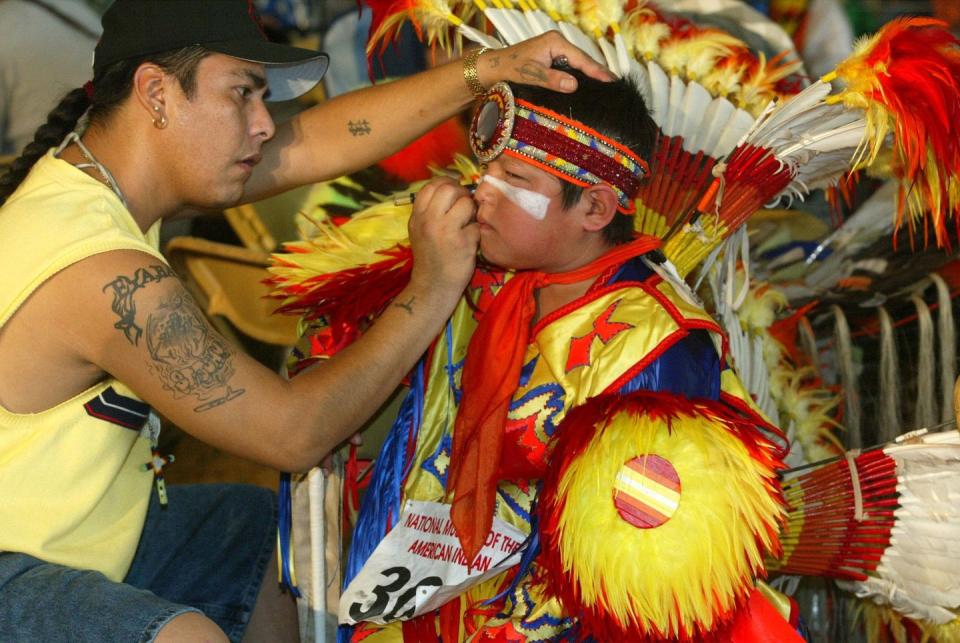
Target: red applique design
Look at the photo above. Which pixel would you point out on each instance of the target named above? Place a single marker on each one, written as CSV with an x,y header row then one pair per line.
x,y
603,329
487,284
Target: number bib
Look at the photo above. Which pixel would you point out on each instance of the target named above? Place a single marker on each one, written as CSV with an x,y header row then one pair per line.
x,y
419,566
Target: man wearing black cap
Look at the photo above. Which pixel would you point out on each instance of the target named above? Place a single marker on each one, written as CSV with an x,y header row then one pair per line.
x,y
95,329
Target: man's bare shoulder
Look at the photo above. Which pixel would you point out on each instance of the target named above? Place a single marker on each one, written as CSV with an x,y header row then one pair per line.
x,y
64,329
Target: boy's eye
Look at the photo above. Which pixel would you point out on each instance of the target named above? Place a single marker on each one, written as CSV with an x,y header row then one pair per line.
x,y
244,91
511,175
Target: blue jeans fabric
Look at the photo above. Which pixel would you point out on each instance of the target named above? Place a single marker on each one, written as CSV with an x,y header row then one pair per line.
x,y
207,551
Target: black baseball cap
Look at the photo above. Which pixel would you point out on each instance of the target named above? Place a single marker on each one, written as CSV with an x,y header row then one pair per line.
x,y
136,28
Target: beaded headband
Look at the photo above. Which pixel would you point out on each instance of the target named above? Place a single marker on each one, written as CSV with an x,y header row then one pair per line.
x,y
562,146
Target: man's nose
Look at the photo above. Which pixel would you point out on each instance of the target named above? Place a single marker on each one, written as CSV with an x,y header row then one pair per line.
x,y
261,124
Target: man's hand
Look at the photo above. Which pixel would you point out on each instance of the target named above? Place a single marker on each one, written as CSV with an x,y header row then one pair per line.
x,y
444,237
529,62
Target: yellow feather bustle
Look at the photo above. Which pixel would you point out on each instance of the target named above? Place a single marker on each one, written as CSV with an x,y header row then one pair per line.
x,y
723,524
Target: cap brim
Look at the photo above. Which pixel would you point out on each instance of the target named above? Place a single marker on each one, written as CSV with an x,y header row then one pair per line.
x,y
291,71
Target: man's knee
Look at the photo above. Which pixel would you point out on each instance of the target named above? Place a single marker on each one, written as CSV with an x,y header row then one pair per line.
x,y
191,626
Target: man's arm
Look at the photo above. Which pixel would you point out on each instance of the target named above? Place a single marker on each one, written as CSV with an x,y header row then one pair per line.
x,y
357,129
137,322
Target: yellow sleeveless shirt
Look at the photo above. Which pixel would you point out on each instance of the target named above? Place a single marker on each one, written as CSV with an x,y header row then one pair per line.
x,y
72,490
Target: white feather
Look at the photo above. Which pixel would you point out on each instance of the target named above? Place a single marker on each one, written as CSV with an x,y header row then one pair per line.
x,y
482,39
674,112
505,24
716,119
610,56
539,22
696,101
919,573
884,592
624,60
790,109
573,33
659,93
738,125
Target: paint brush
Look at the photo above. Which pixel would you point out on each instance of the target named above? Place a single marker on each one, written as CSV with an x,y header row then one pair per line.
x,y
410,197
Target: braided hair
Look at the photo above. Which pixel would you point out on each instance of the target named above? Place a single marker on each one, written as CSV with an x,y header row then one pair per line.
x,y
111,87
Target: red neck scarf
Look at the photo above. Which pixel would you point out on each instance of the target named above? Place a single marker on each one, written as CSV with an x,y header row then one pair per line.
x,y
490,375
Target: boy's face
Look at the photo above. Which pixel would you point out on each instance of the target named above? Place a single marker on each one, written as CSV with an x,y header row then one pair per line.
x,y
523,225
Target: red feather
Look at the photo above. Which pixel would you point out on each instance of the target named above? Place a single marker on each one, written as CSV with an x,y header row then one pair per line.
x,y
348,300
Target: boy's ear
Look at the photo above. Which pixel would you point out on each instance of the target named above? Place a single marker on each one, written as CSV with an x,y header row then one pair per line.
x,y
601,202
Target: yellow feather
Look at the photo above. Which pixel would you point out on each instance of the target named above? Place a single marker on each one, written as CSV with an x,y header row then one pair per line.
x,y
698,563
643,35
436,18
881,623
758,88
562,9
760,308
693,57
596,16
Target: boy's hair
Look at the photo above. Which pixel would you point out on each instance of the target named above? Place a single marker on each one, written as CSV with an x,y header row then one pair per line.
x,y
616,110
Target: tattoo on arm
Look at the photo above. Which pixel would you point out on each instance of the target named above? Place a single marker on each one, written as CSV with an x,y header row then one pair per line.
x,y
408,306
493,61
359,128
123,290
189,358
532,71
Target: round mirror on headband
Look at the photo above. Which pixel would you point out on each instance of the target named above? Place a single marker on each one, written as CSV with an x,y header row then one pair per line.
x,y
492,123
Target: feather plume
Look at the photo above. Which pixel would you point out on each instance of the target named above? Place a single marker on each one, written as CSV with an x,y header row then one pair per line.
x,y
346,275
434,21
643,33
598,16
911,62
694,54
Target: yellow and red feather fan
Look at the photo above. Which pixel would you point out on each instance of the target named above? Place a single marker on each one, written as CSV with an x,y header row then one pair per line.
x,y
687,576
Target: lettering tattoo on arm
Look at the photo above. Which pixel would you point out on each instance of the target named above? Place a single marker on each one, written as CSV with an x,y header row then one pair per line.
x,y
359,128
123,304
189,358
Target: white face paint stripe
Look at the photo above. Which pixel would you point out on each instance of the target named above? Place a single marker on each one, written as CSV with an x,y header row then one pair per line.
x,y
533,203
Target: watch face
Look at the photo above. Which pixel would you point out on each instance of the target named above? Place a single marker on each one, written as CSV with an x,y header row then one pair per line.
x,y
492,123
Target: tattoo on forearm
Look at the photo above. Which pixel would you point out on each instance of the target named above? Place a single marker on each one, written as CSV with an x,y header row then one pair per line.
x,y
359,128
189,358
123,291
408,306
532,71
493,61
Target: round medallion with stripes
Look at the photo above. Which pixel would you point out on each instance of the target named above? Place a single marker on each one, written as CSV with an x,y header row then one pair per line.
x,y
646,491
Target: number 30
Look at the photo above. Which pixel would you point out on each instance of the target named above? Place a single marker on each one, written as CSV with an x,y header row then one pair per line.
x,y
382,594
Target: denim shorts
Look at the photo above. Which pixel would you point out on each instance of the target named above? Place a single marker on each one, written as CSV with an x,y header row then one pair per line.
x,y
206,551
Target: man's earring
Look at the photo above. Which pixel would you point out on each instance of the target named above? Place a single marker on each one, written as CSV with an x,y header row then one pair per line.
x,y
161,121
